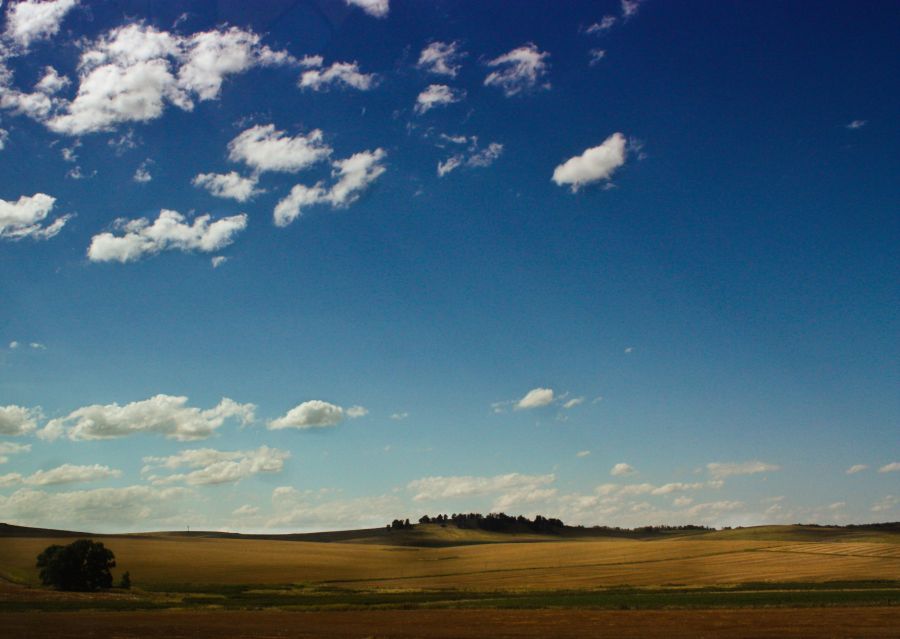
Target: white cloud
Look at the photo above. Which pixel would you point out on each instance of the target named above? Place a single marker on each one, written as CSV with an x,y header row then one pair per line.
x,y
103,506
437,95
168,232
51,82
142,173
228,185
450,164
856,468
4,137
535,398
9,448
29,21
341,74
572,403
440,58
596,163
132,72
310,509
17,420
582,453
353,175
357,411
264,148
519,70
70,474
888,503
432,488
218,261
375,8
721,470
25,218
245,511
890,468
399,416
13,345
622,470
210,56
475,157
682,500
311,61
856,124
124,142
212,466
596,55
630,8
600,27
162,415
315,414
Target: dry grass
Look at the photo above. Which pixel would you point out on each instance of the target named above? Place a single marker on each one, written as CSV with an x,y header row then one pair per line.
x,y
162,561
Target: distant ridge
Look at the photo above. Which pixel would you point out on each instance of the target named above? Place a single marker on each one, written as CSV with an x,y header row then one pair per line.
x,y
437,535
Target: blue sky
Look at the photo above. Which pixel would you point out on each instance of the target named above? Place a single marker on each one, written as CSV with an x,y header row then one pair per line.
x,y
320,264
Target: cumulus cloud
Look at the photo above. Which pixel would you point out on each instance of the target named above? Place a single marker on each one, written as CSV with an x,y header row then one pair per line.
x,y
245,510
353,176
132,72
165,415
263,148
535,398
441,58
169,232
890,468
856,468
622,470
17,420
856,124
583,453
315,414
339,74
519,70
721,470
218,261
29,21
10,448
474,157
572,403
51,82
104,506
228,185
375,8
142,173
210,466
432,488
437,95
595,164
4,137
68,474
27,218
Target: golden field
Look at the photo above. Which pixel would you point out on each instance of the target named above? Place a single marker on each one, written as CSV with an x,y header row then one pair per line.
x,y
729,557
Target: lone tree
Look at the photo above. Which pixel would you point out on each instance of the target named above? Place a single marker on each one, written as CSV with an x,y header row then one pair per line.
x,y
82,565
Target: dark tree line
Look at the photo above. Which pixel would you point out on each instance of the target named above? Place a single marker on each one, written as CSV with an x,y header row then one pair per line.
x,y
496,522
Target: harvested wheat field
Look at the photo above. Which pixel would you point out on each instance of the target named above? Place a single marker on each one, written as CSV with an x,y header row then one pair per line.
x,y
157,561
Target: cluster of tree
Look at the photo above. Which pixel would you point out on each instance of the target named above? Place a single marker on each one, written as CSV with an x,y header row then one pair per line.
x,y
83,565
400,524
497,522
